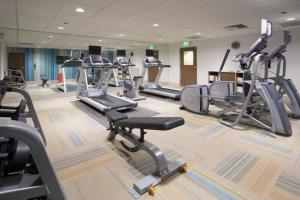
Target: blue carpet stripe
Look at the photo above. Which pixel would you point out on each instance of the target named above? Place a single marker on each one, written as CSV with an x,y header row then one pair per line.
x,y
210,186
268,145
70,160
236,166
207,132
75,138
289,183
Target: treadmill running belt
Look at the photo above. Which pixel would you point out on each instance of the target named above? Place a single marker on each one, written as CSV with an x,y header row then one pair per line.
x,y
111,101
167,90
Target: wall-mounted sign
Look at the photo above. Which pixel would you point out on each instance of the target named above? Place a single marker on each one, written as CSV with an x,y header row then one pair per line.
x,y
152,46
186,43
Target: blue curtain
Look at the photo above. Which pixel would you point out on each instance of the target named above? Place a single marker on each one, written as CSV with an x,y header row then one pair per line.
x,y
43,61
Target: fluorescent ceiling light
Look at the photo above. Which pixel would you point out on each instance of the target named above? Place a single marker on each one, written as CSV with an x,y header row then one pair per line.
x,y
198,33
80,10
290,19
60,28
155,25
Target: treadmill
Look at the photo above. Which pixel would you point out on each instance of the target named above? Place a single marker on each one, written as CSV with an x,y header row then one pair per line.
x,y
155,88
124,64
73,62
96,96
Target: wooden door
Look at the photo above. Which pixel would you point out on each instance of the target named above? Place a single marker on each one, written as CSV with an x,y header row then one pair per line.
x,y
152,71
16,61
188,66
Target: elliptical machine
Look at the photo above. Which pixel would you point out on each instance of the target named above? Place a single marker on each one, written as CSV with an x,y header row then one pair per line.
x,y
248,107
286,87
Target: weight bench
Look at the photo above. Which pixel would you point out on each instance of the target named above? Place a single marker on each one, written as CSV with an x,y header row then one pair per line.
x,y
119,123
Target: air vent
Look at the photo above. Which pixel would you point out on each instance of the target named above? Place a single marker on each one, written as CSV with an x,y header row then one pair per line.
x,y
26,44
290,24
236,27
194,37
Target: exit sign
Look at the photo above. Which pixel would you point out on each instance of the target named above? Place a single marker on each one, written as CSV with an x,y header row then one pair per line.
x,y
186,43
153,47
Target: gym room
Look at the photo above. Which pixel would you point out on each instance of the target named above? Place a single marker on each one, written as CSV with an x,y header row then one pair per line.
x,y
149,99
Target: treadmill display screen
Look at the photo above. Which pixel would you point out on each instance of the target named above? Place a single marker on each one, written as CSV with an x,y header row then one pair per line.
x,y
95,50
121,53
149,53
61,59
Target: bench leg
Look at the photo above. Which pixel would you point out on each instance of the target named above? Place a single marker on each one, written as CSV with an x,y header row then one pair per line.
x,y
163,169
111,136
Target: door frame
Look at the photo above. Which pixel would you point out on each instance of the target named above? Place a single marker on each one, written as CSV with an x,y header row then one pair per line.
x,y
182,49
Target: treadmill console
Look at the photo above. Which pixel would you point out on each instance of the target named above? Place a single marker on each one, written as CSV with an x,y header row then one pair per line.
x,y
95,59
75,60
123,61
287,38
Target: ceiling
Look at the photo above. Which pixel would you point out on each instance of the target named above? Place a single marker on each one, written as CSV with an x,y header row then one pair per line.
x,y
32,21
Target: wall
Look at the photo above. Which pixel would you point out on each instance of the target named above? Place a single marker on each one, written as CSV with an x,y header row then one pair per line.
x,y
210,54
43,61
3,56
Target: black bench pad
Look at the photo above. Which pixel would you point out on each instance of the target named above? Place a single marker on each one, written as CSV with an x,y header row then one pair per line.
x,y
151,123
114,116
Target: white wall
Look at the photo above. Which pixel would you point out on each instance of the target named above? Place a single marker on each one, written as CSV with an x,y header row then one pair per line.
x,y
210,54
3,57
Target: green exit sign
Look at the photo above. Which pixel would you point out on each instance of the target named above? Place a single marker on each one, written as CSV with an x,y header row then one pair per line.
x,y
152,46
186,43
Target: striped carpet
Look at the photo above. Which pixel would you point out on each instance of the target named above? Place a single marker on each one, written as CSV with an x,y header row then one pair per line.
x,y
224,163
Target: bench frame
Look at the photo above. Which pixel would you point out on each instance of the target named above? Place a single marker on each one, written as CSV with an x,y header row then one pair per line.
x,y
163,169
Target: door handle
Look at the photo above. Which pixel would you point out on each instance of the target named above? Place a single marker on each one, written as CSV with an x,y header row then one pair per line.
x,y
194,67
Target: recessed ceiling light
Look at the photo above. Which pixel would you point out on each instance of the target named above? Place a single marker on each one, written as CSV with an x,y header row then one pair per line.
x,y
155,25
290,19
99,40
198,33
80,10
50,36
60,28
121,35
